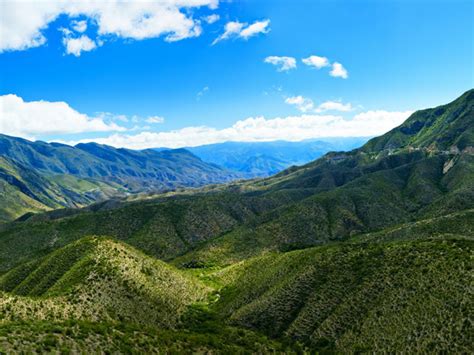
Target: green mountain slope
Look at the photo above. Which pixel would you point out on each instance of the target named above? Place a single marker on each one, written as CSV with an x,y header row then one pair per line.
x,y
40,176
135,170
97,279
446,127
410,297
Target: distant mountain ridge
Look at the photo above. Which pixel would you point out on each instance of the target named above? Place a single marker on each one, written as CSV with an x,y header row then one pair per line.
x,y
263,159
51,175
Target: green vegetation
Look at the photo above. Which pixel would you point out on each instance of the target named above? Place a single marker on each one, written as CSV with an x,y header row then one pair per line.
x,y
410,296
366,251
87,338
98,279
38,176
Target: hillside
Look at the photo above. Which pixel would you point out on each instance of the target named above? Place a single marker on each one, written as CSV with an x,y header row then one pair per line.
x,y
411,297
446,127
364,251
97,279
44,176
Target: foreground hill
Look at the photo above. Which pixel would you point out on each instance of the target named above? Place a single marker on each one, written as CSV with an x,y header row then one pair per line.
x,y
97,279
408,297
42,176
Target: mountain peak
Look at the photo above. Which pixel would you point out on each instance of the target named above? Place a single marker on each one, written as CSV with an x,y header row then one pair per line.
x,y
445,127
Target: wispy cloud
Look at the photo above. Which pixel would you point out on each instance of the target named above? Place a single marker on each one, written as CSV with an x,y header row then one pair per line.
x,y
202,92
212,18
305,104
236,29
155,119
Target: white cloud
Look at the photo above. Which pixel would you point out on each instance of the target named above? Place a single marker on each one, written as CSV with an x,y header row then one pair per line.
x,y
23,22
302,103
28,119
305,104
79,26
155,119
334,106
283,63
338,71
232,28
212,18
260,129
236,29
76,46
316,61
255,28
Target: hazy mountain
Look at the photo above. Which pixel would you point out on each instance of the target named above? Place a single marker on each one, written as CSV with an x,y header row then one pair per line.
x,y
261,159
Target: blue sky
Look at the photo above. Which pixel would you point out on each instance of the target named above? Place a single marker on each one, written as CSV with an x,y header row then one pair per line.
x,y
399,56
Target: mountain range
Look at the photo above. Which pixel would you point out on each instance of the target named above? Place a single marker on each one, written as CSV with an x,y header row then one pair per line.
x,y
39,176
263,159
362,251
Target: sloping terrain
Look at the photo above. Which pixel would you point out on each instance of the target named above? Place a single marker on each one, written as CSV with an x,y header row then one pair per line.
x,y
97,279
409,297
38,176
365,251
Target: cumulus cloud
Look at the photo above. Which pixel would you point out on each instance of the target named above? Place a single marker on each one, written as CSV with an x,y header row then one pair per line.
x,y
316,61
76,46
260,129
23,22
338,71
29,119
155,119
236,29
283,63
